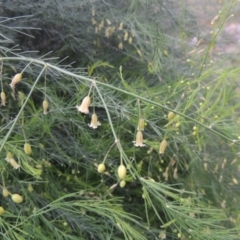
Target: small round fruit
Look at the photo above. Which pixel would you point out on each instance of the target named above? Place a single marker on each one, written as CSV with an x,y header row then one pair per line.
x,y
17,198
171,115
122,184
101,168
30,188
122,171
5,192
27,148
2,210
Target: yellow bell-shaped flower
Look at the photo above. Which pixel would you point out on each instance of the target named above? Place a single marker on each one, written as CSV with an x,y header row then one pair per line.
x,y
94,122
83,108
139,140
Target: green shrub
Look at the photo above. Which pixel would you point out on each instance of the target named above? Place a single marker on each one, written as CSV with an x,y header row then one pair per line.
x,y
136,139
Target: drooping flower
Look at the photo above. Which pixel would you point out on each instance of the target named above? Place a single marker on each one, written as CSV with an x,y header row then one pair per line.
x,y
139,140
120,26
163,146
45,106
3,98
94,122
12,161
120,46
17,78
141,124
14,164
84,105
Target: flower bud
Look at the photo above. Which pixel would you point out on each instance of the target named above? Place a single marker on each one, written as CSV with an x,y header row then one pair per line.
x,y
84,105
120,46
17,198
120,26
30,187
17,78
2,210
171,115
122,184
163,146
177,124
141,124
130,40
5,192
122,171
101,168
94,21
45,106
3,98
27,148
125,36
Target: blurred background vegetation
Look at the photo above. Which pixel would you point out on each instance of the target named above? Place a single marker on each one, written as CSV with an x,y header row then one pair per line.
x,y
173,64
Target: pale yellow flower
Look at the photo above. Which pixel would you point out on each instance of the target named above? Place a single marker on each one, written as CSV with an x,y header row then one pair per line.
x,y
3,98
94,122
45,106
84,105
17,78
12,161
14,164
139,140
163,146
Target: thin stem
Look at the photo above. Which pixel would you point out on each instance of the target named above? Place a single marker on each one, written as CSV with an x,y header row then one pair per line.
x,y
89,92
93,102
45,85
121,158
3,182
1,75
109,151
24,134
108,114
26,67
210,46
139,109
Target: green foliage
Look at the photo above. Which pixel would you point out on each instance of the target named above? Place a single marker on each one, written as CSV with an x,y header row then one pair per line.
x,y
182,169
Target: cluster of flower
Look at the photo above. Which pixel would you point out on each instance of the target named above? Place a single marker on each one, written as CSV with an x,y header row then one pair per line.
x,y
84,108
17,78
